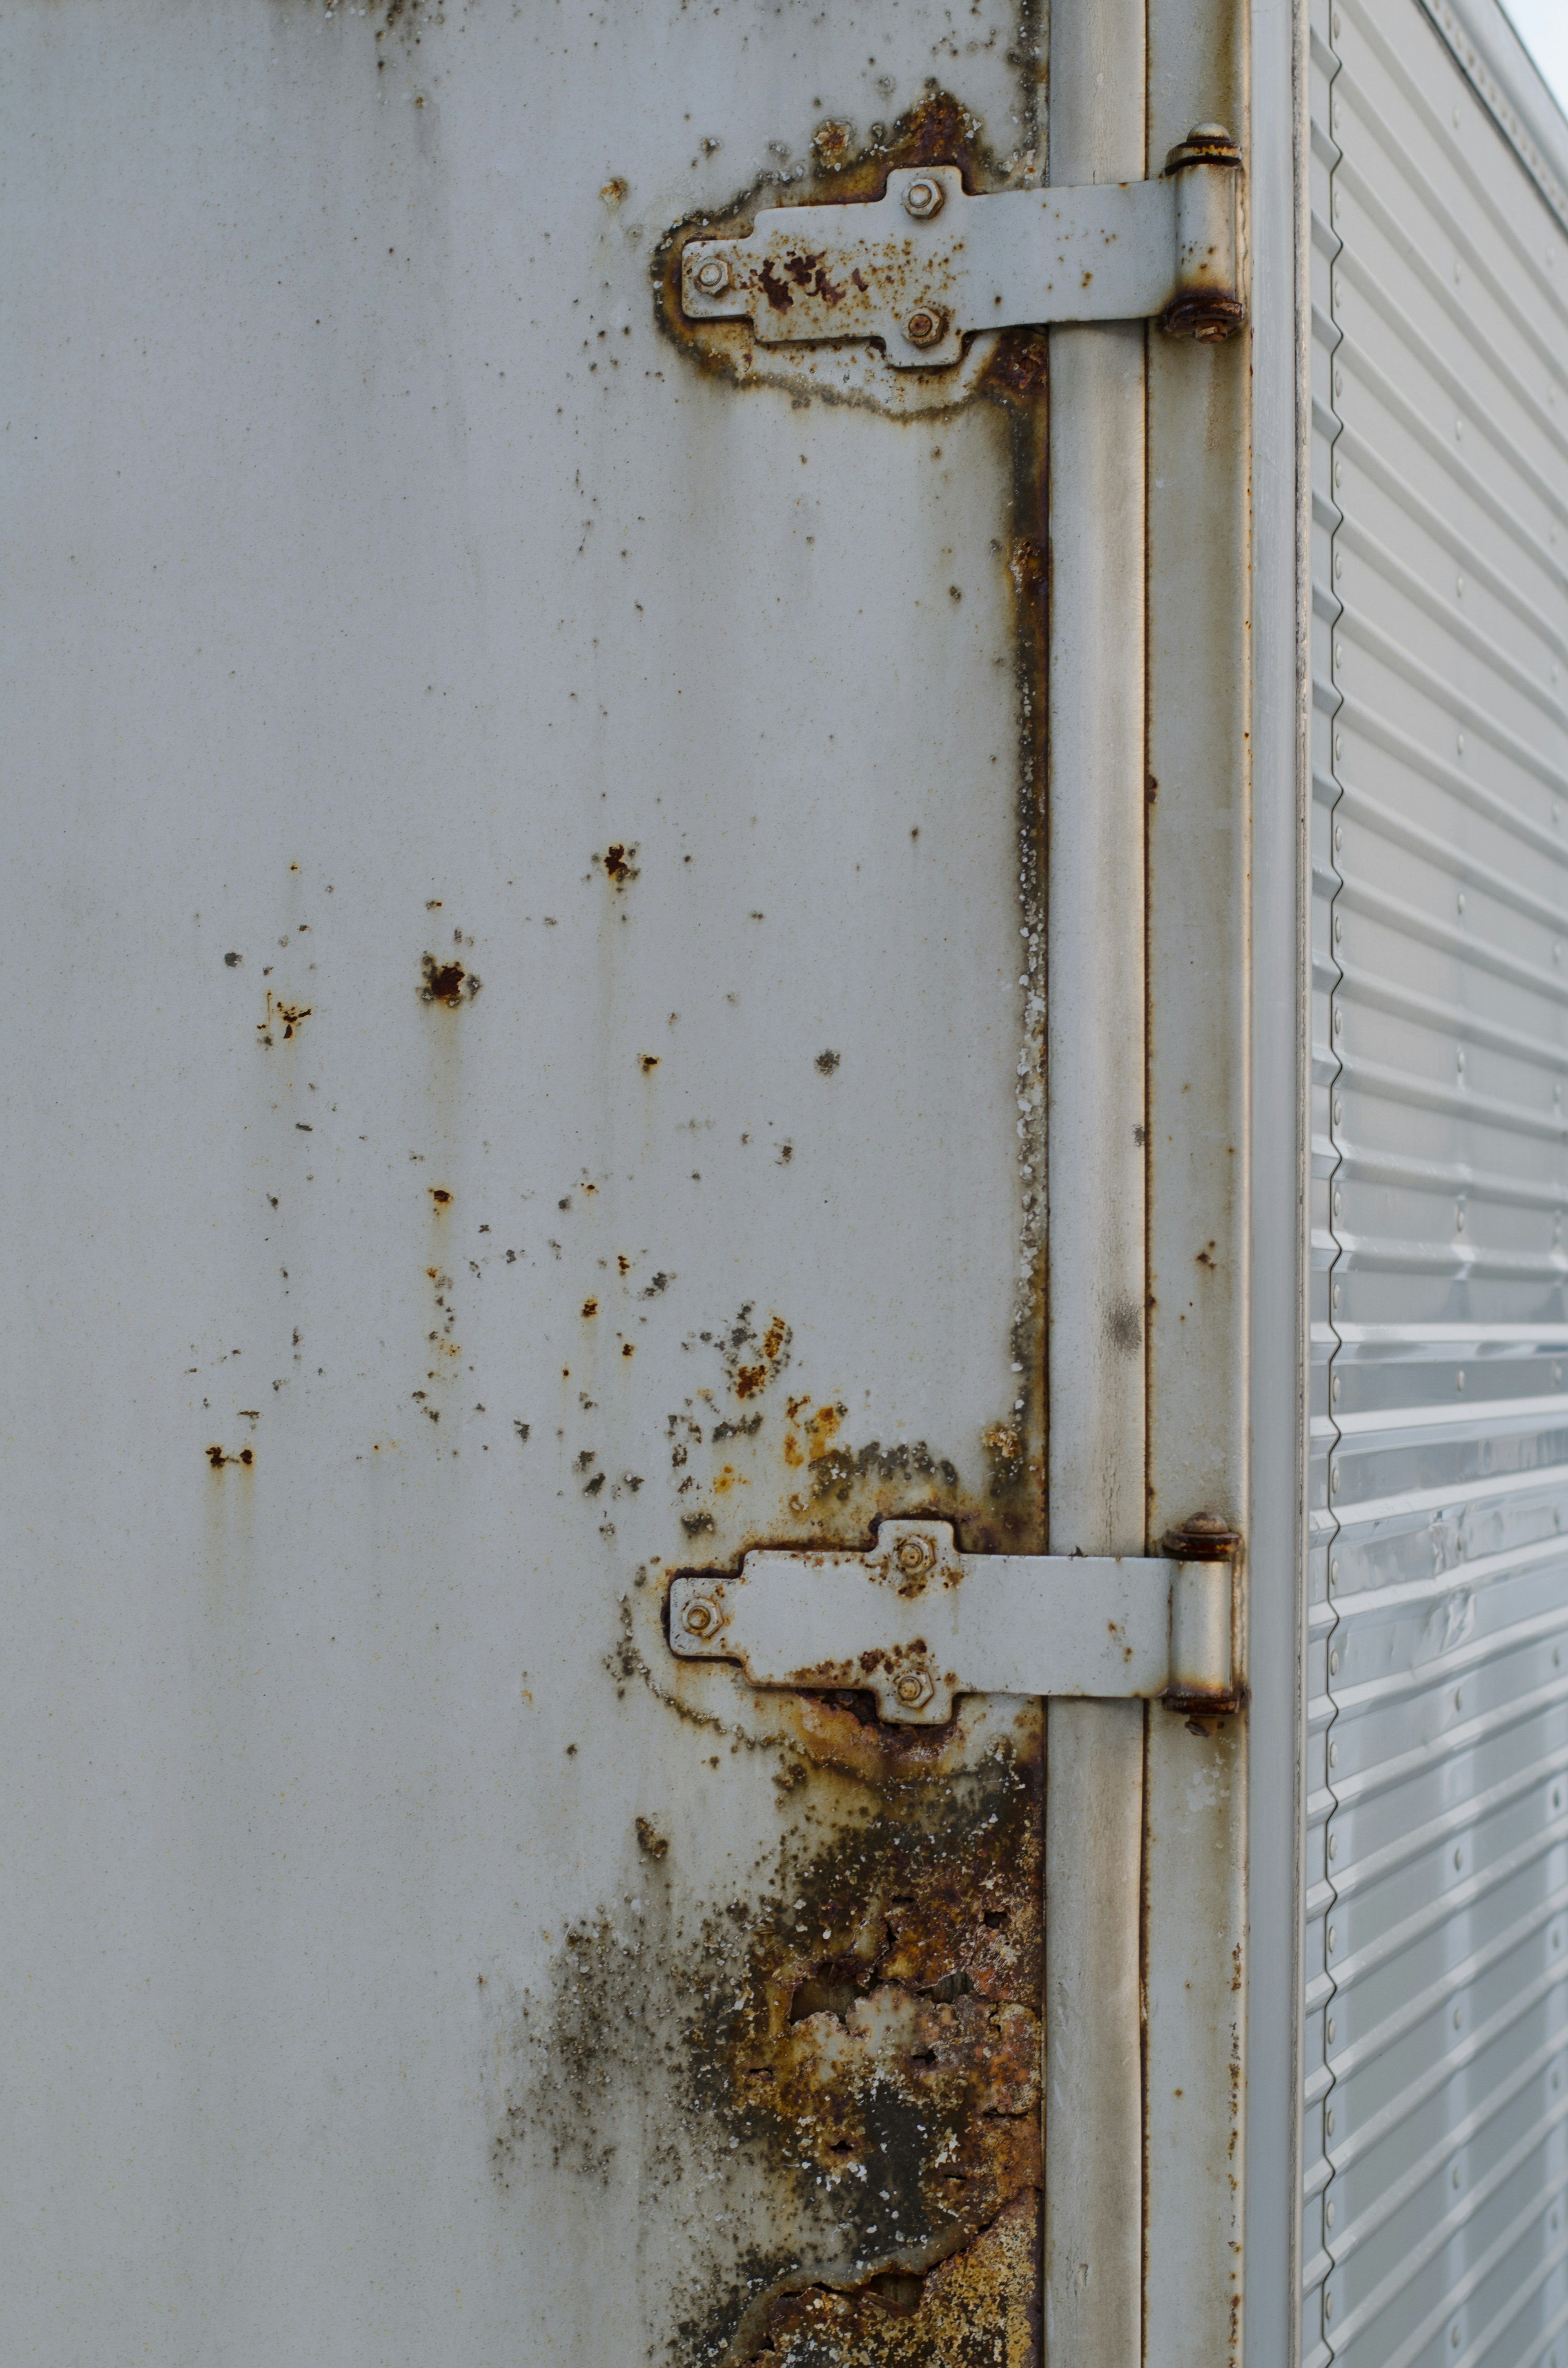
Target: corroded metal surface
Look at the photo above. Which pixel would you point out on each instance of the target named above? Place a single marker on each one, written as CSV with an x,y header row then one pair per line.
x,y
835,2075
938,134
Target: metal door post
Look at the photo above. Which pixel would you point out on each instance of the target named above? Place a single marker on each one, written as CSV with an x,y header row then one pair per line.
x,y
1095,1134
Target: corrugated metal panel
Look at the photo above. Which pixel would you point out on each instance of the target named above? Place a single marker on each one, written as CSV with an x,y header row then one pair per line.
x,y
1436,2103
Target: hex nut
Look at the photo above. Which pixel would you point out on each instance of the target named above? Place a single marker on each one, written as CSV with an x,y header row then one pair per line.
x,y
926,326
702,1616
914,1689
913,1555
712,275
923,198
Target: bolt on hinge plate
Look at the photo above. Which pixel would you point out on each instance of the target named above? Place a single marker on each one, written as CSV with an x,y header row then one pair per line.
x,y
926,263
914,1622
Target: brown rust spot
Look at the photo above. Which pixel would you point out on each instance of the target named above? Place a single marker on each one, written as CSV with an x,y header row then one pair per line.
x,y
216,1457
833,146
773,288
446,981
441,1196
649,1841
1021,366
618,864
282,1020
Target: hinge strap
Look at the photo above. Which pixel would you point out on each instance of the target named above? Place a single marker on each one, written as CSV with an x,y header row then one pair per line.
x,y
926,263
915,1622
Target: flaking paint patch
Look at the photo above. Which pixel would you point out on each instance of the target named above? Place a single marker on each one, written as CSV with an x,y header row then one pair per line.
x,y
818,2098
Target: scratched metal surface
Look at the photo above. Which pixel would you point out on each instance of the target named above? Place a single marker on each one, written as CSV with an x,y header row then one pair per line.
x,y
521,1077
1437,2143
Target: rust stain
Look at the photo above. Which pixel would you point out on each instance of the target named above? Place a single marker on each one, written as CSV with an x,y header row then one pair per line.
x,y
216,1457
835,2071
619,866
282,1020
936,129
848,2045
833,146
446,981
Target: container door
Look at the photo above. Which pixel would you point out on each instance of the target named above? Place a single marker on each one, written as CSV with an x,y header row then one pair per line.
x,y
528,917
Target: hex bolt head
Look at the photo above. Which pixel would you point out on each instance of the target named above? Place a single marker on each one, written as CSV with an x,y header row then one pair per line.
x,y
925,326
923,199
912,1555
914,1689
712,275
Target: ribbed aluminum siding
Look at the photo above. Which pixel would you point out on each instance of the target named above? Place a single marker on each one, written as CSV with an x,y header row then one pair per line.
x,y
1436,2114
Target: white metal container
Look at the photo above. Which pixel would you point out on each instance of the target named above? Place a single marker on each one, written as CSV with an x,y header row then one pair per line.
x,y
767,966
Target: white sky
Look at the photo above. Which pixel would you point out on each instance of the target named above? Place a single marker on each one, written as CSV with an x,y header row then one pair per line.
x,y
1542,26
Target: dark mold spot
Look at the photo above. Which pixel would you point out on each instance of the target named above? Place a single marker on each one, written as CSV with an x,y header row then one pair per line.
x,y
827,1062
1125,1326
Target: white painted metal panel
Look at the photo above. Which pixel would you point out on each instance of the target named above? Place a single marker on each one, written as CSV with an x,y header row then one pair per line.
x,y
398,609
1436,2152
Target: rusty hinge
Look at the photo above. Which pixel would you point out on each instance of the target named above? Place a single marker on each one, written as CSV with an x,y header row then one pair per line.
x,y
914,1622
926,262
